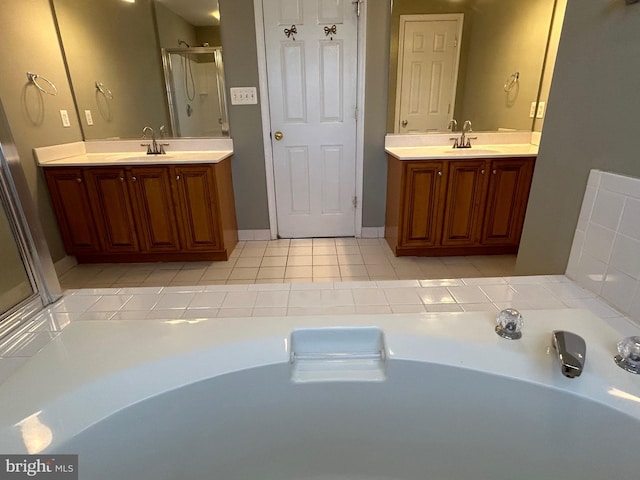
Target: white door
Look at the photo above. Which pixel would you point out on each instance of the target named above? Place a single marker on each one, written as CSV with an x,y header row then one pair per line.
x,y
312,75
428,57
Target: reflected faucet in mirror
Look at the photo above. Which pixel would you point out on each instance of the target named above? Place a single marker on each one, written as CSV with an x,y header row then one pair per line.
x,y
464,141
154,148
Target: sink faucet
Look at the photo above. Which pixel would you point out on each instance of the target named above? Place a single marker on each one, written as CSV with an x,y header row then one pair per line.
x,y
571,350
464,141
154,148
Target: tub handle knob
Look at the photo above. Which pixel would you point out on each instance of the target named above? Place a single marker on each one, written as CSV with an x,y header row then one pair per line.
x,y
629,354
510,324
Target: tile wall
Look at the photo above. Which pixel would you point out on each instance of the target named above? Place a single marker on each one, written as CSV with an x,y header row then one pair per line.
x,y
605,256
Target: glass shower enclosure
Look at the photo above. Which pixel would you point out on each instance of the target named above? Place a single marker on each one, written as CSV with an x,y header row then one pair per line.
x,y
194,79
28,280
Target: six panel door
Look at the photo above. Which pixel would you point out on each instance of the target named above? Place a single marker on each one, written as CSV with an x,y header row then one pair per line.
x,y
312,76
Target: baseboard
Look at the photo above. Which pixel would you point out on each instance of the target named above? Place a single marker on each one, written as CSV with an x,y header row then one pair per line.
x,y
65,264
372,232
244,235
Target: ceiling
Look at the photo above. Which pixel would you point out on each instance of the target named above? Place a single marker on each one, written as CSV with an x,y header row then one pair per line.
x,y
196,12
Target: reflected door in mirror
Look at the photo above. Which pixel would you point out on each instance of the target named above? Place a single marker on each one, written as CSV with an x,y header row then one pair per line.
x,y
427,71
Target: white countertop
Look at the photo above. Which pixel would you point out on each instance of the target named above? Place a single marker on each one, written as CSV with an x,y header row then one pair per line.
x,y
476,151
137,158
130,152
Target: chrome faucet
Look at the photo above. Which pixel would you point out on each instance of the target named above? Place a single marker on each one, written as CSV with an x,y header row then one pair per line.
x,y
464,141
571,350
154,148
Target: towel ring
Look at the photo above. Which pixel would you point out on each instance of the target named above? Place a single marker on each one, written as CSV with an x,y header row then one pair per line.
x,y
511,81
33,78
104,90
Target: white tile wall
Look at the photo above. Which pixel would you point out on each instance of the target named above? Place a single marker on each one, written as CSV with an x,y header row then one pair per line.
x,y
605,255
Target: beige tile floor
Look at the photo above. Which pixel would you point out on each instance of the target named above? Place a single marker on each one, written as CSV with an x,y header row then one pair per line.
x,y
278,261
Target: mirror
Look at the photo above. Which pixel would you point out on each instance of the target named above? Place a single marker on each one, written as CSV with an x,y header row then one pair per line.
x,y
478,60
113,51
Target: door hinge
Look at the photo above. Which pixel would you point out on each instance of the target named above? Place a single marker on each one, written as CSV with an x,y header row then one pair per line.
x,y
355,202
455,42
356,112
358,4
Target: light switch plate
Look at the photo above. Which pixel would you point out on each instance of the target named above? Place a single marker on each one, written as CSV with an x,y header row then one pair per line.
x,y
244,96
532,110
64,115
87,115
540,113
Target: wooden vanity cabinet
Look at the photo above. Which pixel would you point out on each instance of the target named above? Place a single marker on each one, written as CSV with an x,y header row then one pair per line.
x,y
456,207
71,204
112,207
145,213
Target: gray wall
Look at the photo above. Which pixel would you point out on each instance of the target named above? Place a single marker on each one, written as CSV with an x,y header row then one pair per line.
x,y
30,43
592,122
375,121
240,55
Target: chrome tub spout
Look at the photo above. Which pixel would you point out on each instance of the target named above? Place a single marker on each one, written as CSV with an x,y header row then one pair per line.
x,y
571,351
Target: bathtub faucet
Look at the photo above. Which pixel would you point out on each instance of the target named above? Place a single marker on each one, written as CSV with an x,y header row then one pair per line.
x,y
571,350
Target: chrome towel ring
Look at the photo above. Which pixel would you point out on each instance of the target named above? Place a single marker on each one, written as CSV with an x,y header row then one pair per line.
x,y
511,81
34,77
104,90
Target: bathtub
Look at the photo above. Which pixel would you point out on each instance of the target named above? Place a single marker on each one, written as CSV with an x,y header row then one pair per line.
x,y
437,396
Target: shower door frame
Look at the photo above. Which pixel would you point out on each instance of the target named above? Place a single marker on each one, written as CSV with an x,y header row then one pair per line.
x,y
25,226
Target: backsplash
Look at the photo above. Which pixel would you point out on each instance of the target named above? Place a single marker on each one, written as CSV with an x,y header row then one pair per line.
x,y
605,256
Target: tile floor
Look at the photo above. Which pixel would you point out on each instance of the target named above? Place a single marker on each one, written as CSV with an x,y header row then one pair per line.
x,y
291,261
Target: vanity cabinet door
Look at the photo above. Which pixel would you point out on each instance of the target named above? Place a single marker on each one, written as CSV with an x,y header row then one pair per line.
x,y
154,206
71,204
197,203
112,208
466,187
423,203
507,196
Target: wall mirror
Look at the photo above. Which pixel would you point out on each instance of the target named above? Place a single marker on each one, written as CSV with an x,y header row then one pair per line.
x,y
114,55
478,60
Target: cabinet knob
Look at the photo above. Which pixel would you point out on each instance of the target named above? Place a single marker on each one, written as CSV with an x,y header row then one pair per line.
x,y
482,172
122,179
439,174
494,172
134,178
79,180
177,177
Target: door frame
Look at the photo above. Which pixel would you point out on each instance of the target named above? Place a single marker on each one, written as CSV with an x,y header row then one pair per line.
x,y
404,19
266,116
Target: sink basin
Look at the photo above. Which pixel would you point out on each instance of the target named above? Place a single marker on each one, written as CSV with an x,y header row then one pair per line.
x,y
468,152
136,157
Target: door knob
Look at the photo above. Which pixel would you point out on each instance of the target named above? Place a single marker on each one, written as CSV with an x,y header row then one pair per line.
x,y
404,123
278,136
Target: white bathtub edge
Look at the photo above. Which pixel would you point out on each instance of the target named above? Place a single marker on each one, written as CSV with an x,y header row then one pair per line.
x,y
136,362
